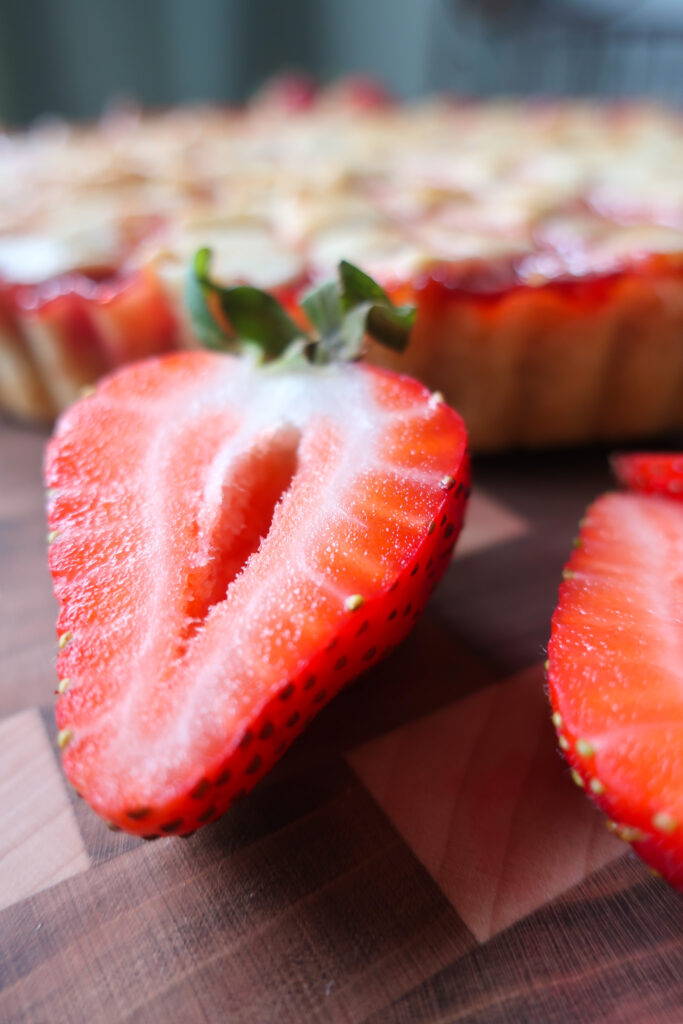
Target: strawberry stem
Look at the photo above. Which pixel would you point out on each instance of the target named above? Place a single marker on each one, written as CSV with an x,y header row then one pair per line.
x,y
343,314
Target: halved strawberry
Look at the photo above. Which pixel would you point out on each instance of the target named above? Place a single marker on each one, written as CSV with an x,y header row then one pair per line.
x,y
232,542
651,472
615,670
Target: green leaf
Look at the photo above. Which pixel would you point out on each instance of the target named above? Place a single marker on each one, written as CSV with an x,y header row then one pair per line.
x,y
391,326
197,289
387,324
253,315
343,313
258,317
322,306
351,343
358,287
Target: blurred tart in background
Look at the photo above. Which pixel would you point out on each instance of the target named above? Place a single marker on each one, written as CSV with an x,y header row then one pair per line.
x,y
542,242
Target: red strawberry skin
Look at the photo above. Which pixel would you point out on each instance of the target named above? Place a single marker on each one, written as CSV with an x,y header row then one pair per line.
x,y
230,546
651,472
615,671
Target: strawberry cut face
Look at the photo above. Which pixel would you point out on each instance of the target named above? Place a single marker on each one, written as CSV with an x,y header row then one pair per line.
x,y
615,670
231,545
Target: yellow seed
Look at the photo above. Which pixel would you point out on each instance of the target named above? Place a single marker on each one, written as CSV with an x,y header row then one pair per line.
x,y
630,834
436,398
577,778
654,872
557,718
567,574
63,685
596,786
86,391
564,743
354,602
611,826
52,536
577,542
584,748
664,822
64,639
447,482
64,737
431,527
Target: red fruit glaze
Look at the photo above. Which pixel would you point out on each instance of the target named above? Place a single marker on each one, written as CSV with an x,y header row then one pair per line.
x,y
215,526
358,92
615,670
489,284
651,472
289,93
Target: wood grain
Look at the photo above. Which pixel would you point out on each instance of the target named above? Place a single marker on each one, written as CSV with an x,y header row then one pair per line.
x,y
488,523
27,607
482,798
40,843
591,957
320,913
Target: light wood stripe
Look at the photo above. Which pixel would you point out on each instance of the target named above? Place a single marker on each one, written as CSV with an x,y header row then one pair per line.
x,y
482,797
39,842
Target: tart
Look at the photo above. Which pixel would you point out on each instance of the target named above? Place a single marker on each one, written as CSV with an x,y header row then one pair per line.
x,y
543,244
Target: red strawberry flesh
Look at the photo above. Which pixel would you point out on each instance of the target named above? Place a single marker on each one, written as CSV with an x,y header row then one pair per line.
x,y
217,526
616,670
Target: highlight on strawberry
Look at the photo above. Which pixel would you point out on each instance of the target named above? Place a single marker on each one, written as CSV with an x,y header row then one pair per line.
x,y
615,660
234,536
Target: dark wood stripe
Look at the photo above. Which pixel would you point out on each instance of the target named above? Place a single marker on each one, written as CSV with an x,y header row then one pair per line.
x,y
324,914
611,949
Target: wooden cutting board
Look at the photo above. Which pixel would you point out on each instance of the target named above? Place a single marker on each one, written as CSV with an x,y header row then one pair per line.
x,y
421,854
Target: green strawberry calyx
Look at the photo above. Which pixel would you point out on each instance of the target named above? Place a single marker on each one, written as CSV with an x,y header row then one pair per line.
x,y
343,314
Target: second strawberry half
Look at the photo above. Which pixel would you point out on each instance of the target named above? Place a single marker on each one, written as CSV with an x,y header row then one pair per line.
x,y
615,656
235,538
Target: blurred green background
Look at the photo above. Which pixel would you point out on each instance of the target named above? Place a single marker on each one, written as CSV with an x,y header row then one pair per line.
x,y
73,56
